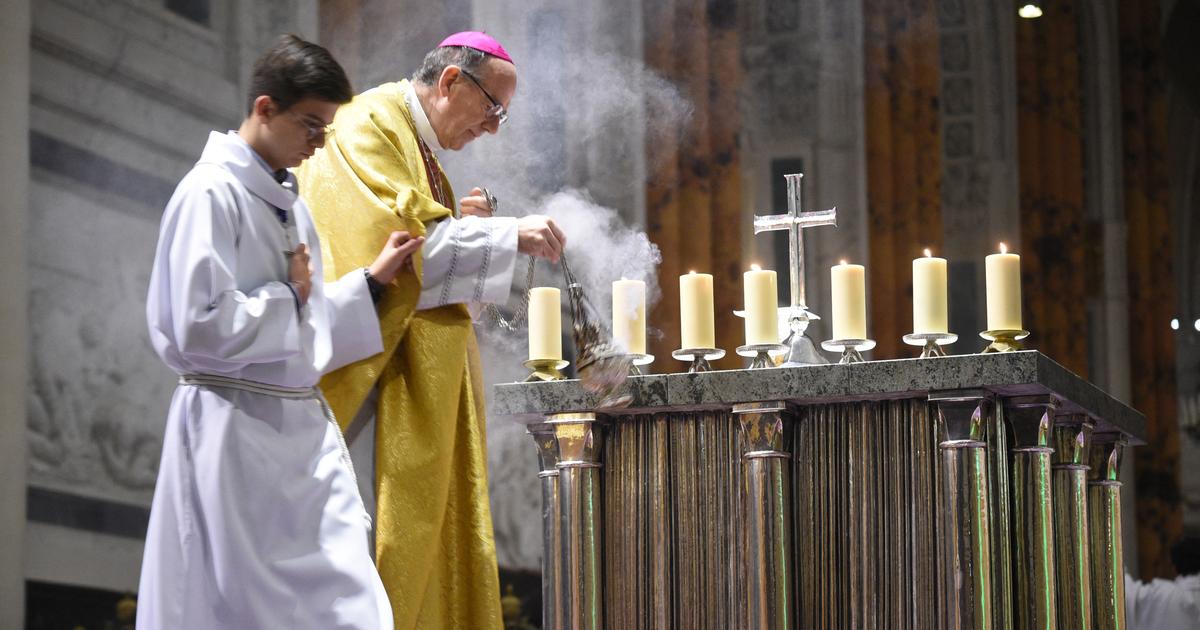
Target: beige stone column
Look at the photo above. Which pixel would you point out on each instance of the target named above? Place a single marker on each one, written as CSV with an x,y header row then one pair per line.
x,y
14,209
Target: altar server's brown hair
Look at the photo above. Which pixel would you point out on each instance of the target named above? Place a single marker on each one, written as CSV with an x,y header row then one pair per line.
x,y
294,69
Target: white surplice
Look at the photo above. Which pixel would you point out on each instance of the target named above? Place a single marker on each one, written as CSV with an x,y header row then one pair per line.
x,y
1163,604
256,520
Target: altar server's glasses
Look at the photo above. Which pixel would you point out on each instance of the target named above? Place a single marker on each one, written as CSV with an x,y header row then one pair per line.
x,y
313,129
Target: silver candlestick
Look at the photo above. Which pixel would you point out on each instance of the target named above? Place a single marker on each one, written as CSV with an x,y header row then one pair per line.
x,y
850,348
603,367
636,361
762,354
931,343
699,357
1003,340
545,370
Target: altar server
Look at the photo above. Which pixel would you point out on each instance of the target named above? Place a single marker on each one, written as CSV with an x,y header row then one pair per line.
x,y
257,521
1168,604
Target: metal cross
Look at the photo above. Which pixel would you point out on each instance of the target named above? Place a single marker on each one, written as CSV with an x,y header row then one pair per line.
x,y
794,222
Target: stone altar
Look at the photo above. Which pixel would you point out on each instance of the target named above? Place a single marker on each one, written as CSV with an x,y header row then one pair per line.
x,y
974,491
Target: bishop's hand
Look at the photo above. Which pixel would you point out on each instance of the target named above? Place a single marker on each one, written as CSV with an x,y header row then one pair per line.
x,y
396,254
539,235
476,204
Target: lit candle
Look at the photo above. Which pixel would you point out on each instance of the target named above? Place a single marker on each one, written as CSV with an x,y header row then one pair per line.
x,y
762,306
1003,272
929,295
696,310
545,324
849,301
629,315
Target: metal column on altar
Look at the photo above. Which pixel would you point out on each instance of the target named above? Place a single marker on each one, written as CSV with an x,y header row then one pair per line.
x,y
1104,523
968,598
1072,447
547,450
1031,419
768,534
870,495
578,440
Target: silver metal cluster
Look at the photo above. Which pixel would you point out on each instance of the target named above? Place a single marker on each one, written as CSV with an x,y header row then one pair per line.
x,y
518,319
603,367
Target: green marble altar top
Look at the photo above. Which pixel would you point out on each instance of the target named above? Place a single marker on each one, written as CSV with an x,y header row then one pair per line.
x,y
1007,374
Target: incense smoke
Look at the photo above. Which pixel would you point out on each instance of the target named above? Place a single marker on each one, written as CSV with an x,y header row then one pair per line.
x,y
601,248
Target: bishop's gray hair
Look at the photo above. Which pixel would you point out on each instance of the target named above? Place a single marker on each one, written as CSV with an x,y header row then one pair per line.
x,y
436,60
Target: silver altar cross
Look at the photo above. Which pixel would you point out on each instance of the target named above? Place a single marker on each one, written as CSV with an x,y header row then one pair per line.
x,y
801,350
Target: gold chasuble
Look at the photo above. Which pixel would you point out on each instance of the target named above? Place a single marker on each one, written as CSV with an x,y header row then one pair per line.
x,y
434,542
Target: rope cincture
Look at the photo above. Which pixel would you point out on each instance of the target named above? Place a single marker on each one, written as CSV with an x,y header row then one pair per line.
x,y
281,391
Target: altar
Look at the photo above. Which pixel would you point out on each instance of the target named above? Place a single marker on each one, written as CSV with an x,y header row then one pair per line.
x,y
972,491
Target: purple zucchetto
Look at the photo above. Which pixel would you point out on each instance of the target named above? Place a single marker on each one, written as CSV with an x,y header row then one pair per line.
x,y
479,41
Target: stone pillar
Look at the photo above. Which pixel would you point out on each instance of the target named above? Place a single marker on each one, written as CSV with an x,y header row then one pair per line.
x,y
15,28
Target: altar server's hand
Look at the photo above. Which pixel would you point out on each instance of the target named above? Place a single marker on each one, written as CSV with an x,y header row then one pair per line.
x,y
476,204
538,235
300,272
396,254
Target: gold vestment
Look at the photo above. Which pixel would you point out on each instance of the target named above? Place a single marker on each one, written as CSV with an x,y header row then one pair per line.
x,y
434,540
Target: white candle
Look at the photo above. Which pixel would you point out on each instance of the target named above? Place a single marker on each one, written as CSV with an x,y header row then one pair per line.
x,y
545,324
696,310
1003,272
762,306
849,301
929,295
629,315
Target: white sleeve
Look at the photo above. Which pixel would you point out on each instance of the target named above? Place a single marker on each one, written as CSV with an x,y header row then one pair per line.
x,y
216,325
1158,605
353,321
468,260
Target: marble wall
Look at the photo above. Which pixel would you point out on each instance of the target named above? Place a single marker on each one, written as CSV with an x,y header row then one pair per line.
x,y
123,95
14,215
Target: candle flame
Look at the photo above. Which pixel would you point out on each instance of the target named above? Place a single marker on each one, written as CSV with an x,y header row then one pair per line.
x,y
843,261
1003,248
928,254
692,271
755,267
